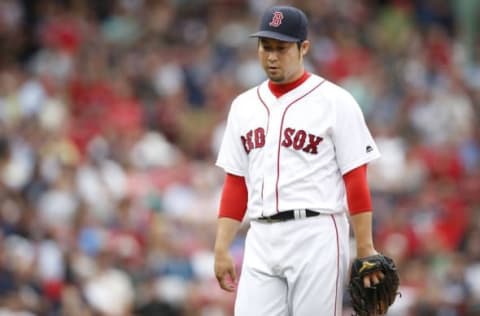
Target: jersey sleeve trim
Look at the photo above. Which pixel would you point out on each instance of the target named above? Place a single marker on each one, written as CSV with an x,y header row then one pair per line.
x,y
228,169
359,162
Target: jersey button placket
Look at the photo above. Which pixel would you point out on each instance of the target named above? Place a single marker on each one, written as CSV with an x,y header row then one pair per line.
x,y
271,155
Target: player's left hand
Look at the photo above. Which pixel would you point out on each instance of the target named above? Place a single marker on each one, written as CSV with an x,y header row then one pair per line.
x,y
373,285
371,279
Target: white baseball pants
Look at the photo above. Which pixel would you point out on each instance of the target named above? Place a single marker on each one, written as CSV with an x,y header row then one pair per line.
x,y
294,268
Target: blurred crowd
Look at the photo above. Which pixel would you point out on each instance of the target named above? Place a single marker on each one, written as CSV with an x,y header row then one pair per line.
x,y
111,114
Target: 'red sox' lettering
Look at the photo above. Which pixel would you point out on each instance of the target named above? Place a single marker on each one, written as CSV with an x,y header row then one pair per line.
x,y
253,139
297,139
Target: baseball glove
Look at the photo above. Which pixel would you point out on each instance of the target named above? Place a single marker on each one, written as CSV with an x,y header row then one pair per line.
x,y
376,299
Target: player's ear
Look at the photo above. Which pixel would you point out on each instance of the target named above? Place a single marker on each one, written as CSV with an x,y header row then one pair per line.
x,y
304,47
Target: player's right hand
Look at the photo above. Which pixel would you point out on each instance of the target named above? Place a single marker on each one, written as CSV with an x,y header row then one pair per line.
x,y
225,271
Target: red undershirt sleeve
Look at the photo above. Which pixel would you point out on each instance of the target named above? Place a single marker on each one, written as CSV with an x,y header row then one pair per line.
x,y
357,190
233,203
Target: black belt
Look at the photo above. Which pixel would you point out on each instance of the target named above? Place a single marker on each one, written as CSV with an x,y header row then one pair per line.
x,y
289,215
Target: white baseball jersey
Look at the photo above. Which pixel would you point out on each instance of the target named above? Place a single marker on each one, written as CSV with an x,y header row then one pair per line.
x,y
294,150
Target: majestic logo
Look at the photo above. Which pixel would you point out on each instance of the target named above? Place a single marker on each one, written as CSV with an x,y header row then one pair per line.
x,y
276,19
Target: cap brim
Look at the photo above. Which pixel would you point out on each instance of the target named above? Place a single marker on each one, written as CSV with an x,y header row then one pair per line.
x,y
274,35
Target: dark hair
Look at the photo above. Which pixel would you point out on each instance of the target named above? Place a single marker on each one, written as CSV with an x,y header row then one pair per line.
x,y
299,43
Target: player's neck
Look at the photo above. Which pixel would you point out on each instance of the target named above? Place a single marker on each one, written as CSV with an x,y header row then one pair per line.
x,y
279,89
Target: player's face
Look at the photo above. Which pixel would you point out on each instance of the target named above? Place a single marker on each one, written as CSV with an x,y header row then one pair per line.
x,y
282,61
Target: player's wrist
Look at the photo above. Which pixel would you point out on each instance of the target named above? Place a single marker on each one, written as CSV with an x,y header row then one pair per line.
x,y
221,250
365,251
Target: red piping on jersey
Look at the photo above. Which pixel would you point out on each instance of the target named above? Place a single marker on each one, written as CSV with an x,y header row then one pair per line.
x,y
268,121
264,105
338,264
280,140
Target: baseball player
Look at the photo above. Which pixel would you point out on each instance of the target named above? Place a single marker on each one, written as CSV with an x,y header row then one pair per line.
x,y
295,151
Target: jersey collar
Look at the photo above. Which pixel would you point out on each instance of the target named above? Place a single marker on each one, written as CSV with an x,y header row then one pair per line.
x,y
278,89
